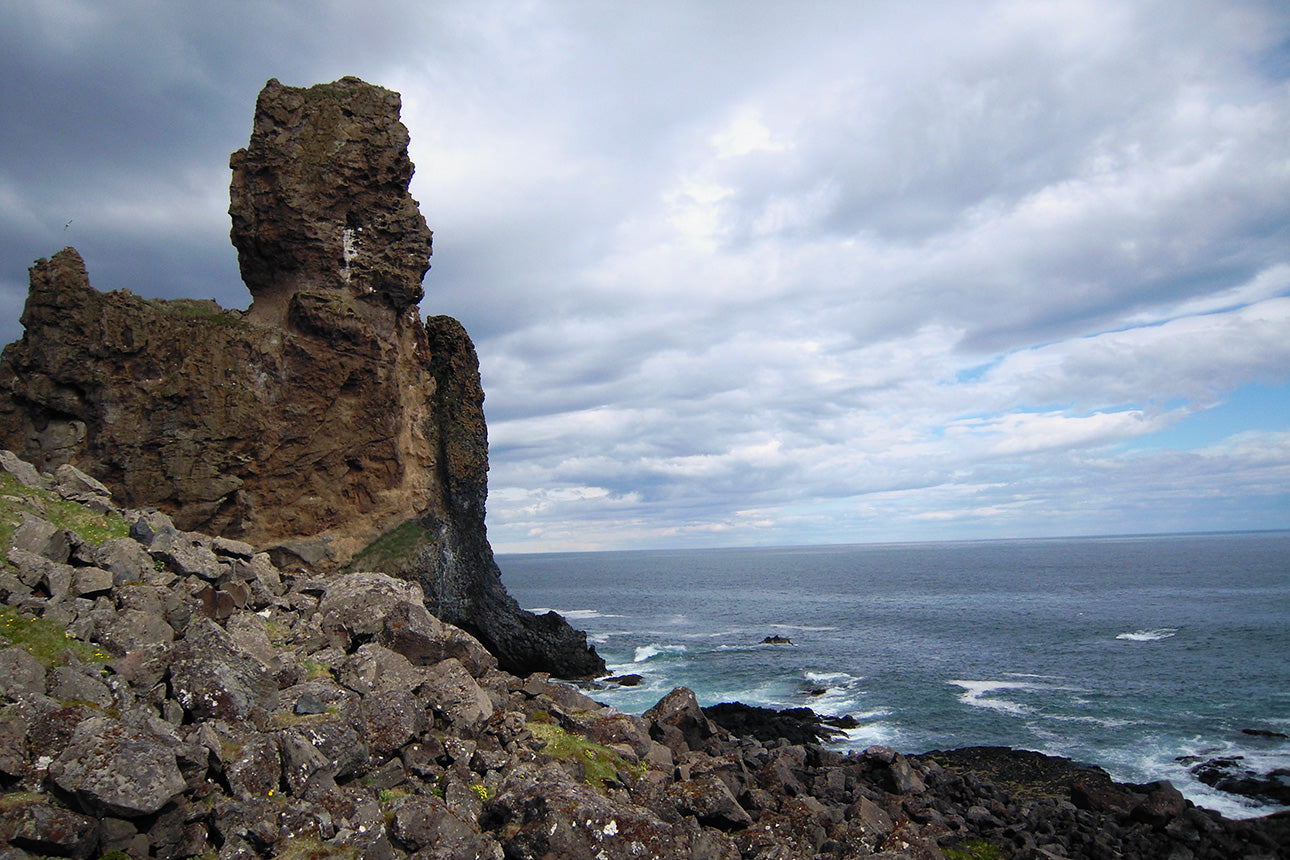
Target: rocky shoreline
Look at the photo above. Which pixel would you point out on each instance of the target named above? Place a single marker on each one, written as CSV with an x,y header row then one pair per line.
x,y
167,694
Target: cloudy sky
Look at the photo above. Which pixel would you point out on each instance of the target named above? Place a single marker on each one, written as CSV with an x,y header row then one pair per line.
x,y
755,272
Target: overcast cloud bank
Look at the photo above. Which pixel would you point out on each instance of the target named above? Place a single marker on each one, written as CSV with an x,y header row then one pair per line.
x,y
757,273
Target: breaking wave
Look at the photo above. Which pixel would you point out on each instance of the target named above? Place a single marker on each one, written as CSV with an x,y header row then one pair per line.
x,y
1149,635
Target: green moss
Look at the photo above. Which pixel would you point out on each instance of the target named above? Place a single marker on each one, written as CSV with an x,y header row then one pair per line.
x,y
91,527
312,849
393,551
229,750
46,640
199,310
21,798
976,849
600,763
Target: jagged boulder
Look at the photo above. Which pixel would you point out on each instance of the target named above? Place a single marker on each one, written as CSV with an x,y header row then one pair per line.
x,y
114,768
326,414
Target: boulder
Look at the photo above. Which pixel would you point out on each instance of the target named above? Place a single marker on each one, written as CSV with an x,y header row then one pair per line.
x,y
73,484
391,720
709,800
542,812
214,679
32,823
21,675
42,538
251,762
680,710
116,769
70,684
1232,775
375,667
795,725
13,744
452,692
22,471
428,826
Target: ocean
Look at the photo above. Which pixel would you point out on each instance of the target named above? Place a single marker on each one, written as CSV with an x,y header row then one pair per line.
x,y
1124,652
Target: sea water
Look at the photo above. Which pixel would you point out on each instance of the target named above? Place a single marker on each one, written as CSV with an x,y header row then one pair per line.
x,y
1125,652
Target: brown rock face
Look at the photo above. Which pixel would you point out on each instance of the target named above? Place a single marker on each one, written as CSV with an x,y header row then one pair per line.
x,y
321,209
267,434
321,417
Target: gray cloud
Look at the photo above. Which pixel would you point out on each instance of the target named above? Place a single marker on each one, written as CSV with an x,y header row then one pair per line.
x,y
747,274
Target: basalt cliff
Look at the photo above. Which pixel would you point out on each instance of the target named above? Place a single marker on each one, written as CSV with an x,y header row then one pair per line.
x,y
327,423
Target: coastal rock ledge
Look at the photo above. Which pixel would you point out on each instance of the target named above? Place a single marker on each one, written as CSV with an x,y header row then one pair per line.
x,y
327,424
169,694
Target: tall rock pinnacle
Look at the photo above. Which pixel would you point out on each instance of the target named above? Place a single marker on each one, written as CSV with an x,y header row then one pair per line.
x,y
325,415
319,201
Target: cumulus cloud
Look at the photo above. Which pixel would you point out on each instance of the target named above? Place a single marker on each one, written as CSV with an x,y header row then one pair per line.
x,y
779,273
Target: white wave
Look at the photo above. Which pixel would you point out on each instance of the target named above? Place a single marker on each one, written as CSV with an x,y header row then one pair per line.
x,y
583,614
831,678
646,652
1149,635
868,734
1104,722
978,694
802,627
1031,675
1159,758
836,703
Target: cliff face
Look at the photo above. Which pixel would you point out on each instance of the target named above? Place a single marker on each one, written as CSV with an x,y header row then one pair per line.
x,y
325,414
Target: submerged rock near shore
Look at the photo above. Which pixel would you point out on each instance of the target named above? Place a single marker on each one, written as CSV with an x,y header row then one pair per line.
x,y
325,415
170,694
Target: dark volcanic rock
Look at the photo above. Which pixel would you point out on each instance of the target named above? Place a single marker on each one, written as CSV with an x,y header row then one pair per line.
x,y
116,769
333,716
325,415
321,211
1230,774
795,725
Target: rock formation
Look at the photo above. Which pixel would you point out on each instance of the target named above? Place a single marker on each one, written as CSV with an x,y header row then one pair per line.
x,y
169,694
324,415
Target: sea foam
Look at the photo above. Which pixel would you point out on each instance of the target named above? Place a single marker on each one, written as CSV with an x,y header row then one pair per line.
x,y
647,652
1149,635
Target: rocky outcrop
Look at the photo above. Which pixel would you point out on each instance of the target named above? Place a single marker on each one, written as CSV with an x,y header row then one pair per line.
x,y
326,414
169,694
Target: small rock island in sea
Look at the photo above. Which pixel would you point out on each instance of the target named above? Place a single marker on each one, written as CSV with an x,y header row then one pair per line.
x,y
249,609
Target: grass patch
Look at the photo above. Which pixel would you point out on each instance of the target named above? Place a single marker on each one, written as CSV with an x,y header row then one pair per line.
x,y
600,763
389,795
197,310
21,798
89,526
976,849
312,849
393,551
47,641
230,750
